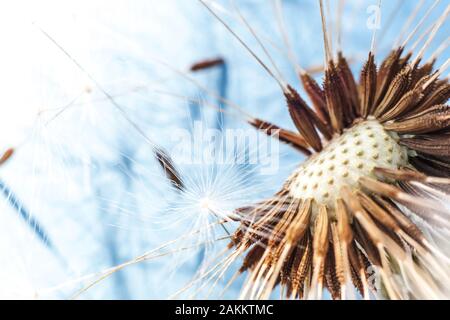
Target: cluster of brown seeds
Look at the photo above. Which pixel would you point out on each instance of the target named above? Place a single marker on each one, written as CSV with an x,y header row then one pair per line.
x,y
379,154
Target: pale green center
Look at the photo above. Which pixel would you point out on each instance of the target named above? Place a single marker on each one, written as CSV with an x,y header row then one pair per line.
x,y
344,160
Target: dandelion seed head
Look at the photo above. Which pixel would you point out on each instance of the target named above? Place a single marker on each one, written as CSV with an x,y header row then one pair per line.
x,y
344,160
